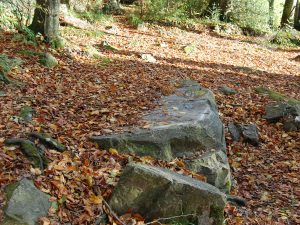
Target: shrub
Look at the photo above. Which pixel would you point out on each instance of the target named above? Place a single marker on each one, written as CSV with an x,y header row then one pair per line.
x,y
287,37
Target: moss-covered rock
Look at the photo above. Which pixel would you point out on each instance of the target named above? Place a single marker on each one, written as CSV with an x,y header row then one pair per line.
x,y
47,140
31,151
277,96
48,60
26,113
58,43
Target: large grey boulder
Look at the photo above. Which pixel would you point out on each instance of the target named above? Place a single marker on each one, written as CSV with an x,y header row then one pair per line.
x,y
157,193
187,125
26,204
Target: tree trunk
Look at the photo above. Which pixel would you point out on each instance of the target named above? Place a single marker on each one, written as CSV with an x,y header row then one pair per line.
x,y
287,12
271,13
297,16
46,18
112,6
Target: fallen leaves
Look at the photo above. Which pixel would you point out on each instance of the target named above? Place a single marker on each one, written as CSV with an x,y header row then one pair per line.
x,y
78,99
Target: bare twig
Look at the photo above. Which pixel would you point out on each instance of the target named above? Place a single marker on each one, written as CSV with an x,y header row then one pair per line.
x,y
114,215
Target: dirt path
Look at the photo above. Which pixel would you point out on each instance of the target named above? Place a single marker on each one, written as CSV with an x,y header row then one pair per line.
x,y
84,96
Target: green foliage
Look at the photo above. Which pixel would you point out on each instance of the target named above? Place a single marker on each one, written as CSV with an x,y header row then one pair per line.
x,y
163,10
30,53
134,20
190,48
57,43
26,36
104,62
72,31
287,37
93,15
251,15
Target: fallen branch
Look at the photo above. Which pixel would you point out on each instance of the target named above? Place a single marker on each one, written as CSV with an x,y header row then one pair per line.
x,y
112,213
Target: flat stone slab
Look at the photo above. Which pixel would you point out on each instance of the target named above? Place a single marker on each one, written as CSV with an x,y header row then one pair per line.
x,y
185,125
26,204
156,192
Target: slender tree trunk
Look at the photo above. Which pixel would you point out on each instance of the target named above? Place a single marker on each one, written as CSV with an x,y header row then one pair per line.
x,y
287,12
46,18
297,16
271,13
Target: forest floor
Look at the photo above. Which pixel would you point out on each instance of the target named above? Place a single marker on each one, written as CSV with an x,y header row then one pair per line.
x,y
84,96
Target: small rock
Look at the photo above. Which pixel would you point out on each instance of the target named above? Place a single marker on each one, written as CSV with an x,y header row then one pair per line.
x,y
227,91
234,132
292,124
148,58
48,60
250,134
277,111
156,192
26,204
112,30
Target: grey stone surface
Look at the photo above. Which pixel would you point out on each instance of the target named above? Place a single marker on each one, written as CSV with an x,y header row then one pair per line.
x,y
216,168
275,112
286,112
186,124
227,90
292,124
26,204
234,132
250,134
156,193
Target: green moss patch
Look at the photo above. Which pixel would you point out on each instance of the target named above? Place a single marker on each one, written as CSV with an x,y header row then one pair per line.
x,y
277,96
